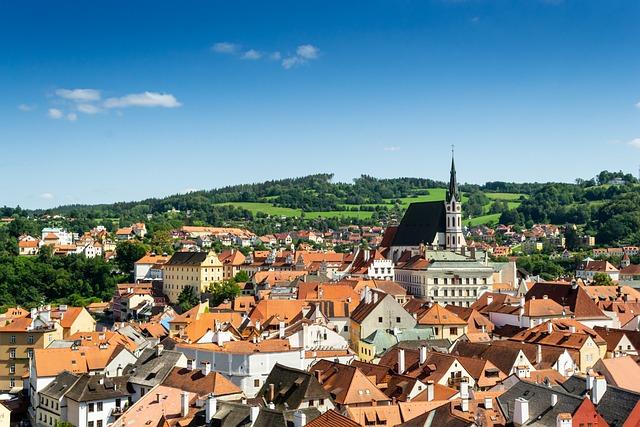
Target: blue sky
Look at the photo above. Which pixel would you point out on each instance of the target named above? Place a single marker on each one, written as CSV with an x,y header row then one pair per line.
x,y
110,100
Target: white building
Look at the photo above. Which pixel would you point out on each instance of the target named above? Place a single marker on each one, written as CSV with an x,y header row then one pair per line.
x,y
246,364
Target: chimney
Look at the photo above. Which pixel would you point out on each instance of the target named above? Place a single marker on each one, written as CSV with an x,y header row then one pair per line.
x,y
281,330
538,354
431,392
271,393
488,403
599,388
159,349
464,388
465,405
423,354
564,419
184,403
211,408
206,368
317,374
554,400
473,252
272,405
255,411
401,361
190,363
590,381
572,329
489,299
299,419
549,327
375,297
522,301
158,397
520,411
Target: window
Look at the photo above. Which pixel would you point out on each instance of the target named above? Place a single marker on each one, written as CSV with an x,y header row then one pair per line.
x,y
453,331
99,406
30,339
91,407
256,382
12,369
12,353
397,320
310,402
12,381
12,339
118,401
346,328
379,319
435,281
99,423
435,330
90,424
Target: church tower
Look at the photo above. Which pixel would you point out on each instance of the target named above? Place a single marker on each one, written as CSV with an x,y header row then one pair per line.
x,y
454,237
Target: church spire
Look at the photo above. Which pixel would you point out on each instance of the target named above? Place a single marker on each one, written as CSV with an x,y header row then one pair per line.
x,y
453,183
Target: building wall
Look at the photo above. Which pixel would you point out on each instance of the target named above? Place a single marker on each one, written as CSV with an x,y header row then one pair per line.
x,y
246,370
22,343
589,355
79,415
83,323
178,277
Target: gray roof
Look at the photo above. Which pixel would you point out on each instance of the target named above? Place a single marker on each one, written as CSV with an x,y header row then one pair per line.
x,y
91,388
541,413
615,405
150,370
60,385
292,387
187,258
232,414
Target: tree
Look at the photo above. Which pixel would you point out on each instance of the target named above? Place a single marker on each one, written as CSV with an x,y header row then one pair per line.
x,y
187,299
602,279
241,277
127,253
220,292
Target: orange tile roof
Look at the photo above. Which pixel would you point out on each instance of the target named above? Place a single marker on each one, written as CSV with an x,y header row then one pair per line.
x,y
195,381
438,315
332,418
69,315
207,321
50,362
153,259
284,310
245,347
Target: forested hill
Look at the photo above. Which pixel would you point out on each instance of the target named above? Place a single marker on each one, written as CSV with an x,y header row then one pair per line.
x,y
607,205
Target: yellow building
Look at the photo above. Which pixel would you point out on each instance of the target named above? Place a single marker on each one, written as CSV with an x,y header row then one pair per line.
x,y
18,338
445,323
195,269
73,319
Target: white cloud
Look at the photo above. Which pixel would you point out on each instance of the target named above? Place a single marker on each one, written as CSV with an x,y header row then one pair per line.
x,y
392,148
638,105
225,47
25,107
291,62
635,143
275,56
72,117
307,51
145,99
304,54
79,95
54,113
252,54
190,190
47,196
88,109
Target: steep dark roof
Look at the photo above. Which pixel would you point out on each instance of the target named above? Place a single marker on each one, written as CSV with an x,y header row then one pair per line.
x,y
565,294
292,387
615,405
541,413
187,258
364,309
97,387
60,385
150,370
420,224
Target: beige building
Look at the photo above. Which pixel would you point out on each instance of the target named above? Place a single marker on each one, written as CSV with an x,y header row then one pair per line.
x,y
195,269
18,339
